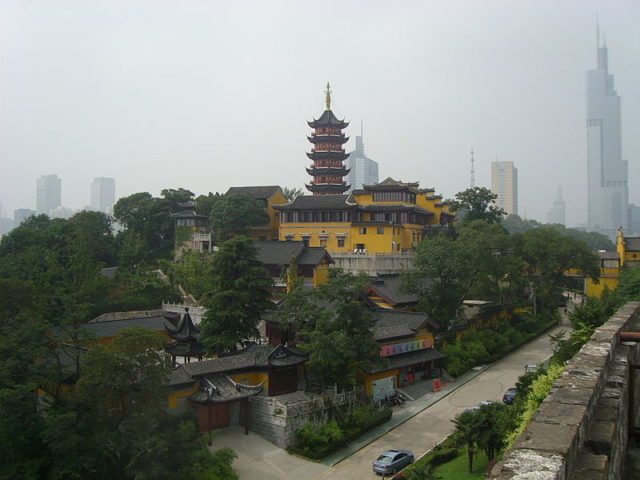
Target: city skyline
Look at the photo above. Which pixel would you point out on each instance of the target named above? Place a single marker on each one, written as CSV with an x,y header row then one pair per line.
x,y
208,96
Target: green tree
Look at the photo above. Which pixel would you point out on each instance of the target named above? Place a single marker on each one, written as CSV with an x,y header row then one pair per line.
x,y
549,255
497,274
441,277
335,329
234,215
291,193
477,203
205,204
468,428
239,295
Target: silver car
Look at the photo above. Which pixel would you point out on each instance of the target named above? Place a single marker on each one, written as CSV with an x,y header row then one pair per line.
x,y
392,461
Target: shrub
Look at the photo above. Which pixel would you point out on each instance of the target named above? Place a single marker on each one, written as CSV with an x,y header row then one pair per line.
x,y
316,441
443,456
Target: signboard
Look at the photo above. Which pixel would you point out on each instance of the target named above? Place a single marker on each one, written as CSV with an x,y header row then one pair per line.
x,y
436,384
397,348
382,388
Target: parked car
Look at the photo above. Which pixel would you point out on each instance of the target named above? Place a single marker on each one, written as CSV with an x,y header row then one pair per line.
x,y
510,395
392,461
530,368
477,407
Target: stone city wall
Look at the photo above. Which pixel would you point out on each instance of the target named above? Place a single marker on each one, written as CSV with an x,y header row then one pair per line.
x,y
277,421
580,430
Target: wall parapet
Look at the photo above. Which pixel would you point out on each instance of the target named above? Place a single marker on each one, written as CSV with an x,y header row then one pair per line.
x,y
580,430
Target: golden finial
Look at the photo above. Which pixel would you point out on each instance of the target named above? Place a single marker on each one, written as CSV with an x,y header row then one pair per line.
x,y
328,99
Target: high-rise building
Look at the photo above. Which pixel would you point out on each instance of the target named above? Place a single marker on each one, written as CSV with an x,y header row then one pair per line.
x,y
607,191
21,214
362,170
504,183
328,156
103,193
556,214
48,193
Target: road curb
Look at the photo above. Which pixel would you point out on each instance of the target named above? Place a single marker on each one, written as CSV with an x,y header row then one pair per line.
x,y
444,393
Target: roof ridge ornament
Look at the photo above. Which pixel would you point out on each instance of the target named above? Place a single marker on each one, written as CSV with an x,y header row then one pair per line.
x,y
328,96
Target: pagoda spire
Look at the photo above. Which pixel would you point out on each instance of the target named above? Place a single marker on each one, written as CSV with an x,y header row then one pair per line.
x,y
328,97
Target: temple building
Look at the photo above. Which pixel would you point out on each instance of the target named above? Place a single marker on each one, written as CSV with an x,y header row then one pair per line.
x,y
387,217
185,340
328,169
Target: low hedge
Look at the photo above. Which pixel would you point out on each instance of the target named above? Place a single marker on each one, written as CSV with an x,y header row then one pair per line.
x,y
318,441
489,344
443,456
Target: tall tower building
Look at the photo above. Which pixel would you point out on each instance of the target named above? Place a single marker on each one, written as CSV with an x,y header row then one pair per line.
x,y
607,191
504,183
556,214
103,193
362,170
48,193
328,169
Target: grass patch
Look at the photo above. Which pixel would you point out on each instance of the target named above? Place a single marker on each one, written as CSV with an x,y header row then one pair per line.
x,y
458,468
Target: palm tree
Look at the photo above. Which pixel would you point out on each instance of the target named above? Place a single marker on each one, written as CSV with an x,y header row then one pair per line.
x,y
492,429
468,429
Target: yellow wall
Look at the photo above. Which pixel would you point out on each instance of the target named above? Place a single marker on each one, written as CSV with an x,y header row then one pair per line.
x,y
277,198
321,275
401,237
174,397
368,379
251,378
597,289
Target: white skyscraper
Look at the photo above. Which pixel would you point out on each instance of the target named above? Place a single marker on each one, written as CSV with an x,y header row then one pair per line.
x,y
103,194
48,193
556,214
607,192
363,170
504,183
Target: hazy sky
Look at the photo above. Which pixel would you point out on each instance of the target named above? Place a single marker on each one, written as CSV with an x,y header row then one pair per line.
x,y
211,94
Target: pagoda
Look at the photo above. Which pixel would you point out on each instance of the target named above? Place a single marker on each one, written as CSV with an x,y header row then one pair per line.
x,y
185,336
328,169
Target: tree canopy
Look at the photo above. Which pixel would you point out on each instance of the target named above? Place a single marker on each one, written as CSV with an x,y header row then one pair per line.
x,y
234,214
477,203
240,291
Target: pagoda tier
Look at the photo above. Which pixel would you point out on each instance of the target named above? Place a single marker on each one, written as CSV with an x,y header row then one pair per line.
x,y
327,153
328,138
328,119
328,171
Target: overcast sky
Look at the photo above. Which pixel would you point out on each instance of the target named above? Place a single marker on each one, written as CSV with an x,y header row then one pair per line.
x,y
211,94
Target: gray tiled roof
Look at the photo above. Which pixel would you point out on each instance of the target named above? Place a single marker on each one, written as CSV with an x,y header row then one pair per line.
x,y
390,324
258,192
410,358
220,388
317,202
252,357
390,287
101,327
313,256
632,244
278,253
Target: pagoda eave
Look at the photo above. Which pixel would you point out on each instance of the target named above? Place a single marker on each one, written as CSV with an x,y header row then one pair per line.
x,y
327,188
329,154
328,139
317,171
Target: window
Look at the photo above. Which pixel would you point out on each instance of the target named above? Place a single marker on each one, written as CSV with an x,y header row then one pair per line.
x,y
340,241
288,237
323,239
362,231
380,230
305,239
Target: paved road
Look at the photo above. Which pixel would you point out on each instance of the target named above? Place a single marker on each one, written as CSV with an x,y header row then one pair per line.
x,y
260,460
